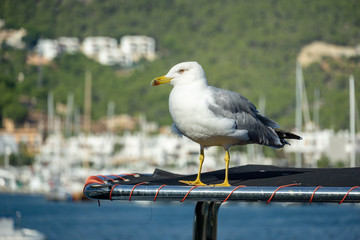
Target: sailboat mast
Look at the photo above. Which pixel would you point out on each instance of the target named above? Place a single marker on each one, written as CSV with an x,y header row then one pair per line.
x,y
87,102
69,110
352,121
316,109
50,120
298,120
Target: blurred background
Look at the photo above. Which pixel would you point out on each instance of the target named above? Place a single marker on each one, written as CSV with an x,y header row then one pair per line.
x,y
76,100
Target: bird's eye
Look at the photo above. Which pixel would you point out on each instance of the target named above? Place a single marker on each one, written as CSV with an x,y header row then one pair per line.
x,y
181,71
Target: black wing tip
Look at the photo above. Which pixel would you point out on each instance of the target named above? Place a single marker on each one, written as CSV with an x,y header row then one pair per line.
x,y
288,135
285,142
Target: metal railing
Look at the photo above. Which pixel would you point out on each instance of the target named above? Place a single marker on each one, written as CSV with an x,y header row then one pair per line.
x,y
219,194
209,199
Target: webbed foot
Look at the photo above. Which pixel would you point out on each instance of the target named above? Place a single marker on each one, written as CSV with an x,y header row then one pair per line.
x,y
224,184
197,182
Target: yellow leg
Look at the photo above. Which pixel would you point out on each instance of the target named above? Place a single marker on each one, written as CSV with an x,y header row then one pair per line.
x,y
227,161
197,180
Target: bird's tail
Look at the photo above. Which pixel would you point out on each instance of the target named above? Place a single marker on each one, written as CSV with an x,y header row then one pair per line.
x,y
286,135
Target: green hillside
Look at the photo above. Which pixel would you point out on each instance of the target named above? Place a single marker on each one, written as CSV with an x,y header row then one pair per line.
x,y
246,46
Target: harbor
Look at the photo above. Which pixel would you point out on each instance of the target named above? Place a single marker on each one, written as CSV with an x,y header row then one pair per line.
x,y
63,164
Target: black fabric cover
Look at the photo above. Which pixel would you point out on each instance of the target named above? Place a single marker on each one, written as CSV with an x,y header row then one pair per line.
x,y
260,175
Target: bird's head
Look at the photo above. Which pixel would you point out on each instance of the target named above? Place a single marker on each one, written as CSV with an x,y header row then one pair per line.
x,y
182,73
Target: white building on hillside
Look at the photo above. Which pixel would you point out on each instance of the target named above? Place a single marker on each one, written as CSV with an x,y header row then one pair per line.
x,y
91,46
138,47
47,48
112,57
50,49
105,50
11,37
69,44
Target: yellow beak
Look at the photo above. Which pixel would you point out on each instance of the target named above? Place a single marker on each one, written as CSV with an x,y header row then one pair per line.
x,y
160,80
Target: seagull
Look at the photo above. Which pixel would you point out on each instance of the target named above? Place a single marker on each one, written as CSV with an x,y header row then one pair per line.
x,y
213,116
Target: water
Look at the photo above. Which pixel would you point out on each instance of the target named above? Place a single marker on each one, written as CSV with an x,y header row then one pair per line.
x,y
124,220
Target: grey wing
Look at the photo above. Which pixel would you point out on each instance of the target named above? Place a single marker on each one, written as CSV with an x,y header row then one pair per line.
x,y
235,106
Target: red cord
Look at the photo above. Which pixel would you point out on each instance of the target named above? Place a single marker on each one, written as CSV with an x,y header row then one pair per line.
x,y
112,191
348,194
91,180
100,180
106,177
134,188
117,176
312,196
158,191
189,192
289,185
232,192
